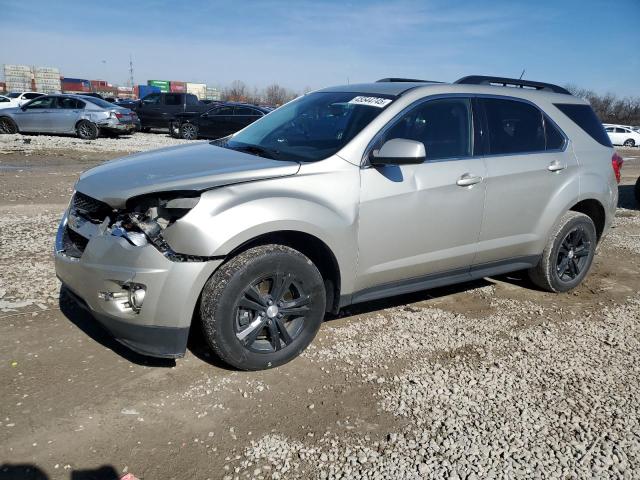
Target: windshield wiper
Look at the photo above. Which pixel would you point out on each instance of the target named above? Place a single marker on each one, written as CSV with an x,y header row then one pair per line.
x,y
256,149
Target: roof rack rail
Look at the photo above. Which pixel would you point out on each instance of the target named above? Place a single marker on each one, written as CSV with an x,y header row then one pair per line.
x,y
513,82
414,80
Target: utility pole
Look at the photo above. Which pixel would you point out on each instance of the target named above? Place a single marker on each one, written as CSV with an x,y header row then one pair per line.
x,y
130,72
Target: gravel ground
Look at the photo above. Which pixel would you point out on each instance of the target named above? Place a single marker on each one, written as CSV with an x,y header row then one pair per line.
x,y
492,379
137,142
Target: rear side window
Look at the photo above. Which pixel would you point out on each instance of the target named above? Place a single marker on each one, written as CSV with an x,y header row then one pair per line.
x,y
192,100
514,127
555,139
586,119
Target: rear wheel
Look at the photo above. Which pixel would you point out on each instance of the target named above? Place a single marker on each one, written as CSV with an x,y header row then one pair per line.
x,y
262,308
188,131
568,255
629,143
8,126
87,130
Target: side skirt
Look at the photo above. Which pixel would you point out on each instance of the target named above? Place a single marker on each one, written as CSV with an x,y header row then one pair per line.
x,y
441,279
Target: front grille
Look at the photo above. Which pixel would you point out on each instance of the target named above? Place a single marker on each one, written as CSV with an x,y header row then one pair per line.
x,y
90,207
73,243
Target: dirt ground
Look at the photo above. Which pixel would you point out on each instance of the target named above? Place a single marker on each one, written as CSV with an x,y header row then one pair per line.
x,y
75,404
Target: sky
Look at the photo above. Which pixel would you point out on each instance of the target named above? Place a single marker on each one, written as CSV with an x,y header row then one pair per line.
x,y
306,44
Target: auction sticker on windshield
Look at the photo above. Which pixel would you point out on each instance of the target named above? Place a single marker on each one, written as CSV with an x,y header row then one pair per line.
x,y
370,101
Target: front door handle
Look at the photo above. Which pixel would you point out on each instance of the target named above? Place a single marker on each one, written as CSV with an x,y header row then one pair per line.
x,y
468,179
556,166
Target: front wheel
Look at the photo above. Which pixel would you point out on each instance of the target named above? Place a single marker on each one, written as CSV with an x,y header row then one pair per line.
x,y
629,143
8,126
568,255
188,131
263,307
87,130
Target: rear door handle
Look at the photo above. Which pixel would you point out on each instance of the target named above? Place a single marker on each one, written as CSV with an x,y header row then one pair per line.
x,y
556,166
468,179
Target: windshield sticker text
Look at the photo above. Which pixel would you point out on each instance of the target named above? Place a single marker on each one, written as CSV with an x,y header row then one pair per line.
x,y
371,101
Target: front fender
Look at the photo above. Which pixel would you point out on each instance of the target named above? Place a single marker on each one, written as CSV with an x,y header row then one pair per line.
x,y
321,204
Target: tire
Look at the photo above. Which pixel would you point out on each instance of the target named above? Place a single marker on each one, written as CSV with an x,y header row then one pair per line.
x,y
188,131
8,126
87,130
240,325
629,143
568,255
174,129
636,191
145,129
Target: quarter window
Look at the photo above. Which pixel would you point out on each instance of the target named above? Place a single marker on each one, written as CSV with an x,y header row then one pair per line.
x,y
443,126
513,127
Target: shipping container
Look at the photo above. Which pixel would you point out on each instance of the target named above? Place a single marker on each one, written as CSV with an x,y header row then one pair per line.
x,y
144,90
76,80
3,87
198,89
178,87
125,89
163,85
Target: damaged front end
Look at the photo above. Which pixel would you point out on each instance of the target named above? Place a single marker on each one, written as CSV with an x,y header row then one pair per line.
x,y
141,222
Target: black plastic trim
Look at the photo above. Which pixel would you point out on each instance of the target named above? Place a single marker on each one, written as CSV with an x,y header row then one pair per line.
x,y
441,279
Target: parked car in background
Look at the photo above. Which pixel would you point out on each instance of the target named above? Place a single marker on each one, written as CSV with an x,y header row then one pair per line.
x,y
344,195
625,136
5,102
20,98
83,116
159,110
222,120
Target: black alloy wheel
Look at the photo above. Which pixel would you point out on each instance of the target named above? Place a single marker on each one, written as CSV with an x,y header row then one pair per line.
x,y
271,312
573,255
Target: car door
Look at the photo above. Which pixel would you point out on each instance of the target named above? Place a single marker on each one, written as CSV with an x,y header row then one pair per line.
x,y
528,167
149,110
171,107
66,114
618,136
423,221
35,116
243,116
218,122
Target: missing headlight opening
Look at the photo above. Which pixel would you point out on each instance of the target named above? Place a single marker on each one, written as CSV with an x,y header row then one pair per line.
x,y
142,221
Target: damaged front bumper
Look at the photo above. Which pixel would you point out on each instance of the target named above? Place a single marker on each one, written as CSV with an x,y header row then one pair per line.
x,y
138,294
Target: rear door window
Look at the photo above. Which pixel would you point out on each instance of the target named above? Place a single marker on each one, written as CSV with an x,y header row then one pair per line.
x,y
30,96
555,140
151,99
513,127
70,103
172,99
245,111
223,111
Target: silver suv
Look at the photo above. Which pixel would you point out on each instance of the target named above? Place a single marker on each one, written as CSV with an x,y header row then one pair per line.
x,y
344,195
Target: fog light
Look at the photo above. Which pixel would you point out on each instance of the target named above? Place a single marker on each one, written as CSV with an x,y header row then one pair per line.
x,y
136,297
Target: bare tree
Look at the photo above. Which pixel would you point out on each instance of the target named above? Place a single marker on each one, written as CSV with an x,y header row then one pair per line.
x,y
609,107
236,92
276,95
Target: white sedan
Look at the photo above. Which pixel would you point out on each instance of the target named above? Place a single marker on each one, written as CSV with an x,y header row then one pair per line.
x,y
20,98
5,102
620,135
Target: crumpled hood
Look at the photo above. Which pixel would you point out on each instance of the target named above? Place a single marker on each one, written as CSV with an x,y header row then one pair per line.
x,y
198,166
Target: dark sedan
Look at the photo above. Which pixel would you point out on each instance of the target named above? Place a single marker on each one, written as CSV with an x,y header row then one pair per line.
x,y
220,121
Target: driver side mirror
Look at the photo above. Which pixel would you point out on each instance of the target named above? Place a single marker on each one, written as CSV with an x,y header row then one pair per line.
x,y
399,151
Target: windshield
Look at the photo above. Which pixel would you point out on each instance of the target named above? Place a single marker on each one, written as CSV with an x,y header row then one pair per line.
x,y
98,101
13,95
312,127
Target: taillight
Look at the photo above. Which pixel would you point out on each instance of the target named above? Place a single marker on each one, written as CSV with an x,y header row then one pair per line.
x,y
118,115
616,163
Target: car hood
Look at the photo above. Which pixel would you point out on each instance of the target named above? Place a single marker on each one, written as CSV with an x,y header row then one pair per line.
x,y
198,166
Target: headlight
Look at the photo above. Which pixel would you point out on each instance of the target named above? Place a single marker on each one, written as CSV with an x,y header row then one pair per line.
x,y
145,217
